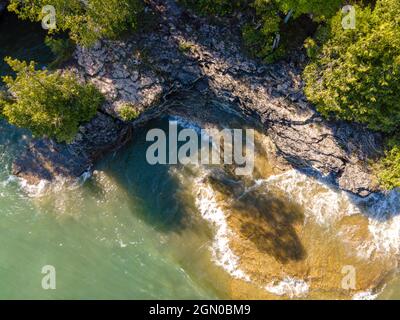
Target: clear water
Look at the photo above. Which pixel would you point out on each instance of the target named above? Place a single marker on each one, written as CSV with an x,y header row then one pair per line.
x,y
125,234
132,231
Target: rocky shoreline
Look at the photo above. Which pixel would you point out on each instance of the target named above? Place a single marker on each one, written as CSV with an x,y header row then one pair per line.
x,y
185,53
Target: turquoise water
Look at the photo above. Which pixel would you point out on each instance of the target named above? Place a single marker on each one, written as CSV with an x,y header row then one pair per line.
x,y
132,231
124,234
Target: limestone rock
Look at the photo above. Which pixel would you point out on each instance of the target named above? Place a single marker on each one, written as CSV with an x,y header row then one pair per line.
x,y
144,69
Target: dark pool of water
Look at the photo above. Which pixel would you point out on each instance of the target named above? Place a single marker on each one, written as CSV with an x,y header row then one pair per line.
x,y
23,40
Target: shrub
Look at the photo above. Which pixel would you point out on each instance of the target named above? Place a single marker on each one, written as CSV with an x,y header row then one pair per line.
x,y
49,104
389,167
86,21
217,7
127,112
260,36
355,75
63,49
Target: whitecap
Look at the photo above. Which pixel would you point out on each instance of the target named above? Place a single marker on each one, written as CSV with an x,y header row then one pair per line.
x,y
291,287
210,211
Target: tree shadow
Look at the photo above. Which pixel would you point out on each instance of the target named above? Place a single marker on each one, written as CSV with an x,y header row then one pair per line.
x,y
266,220
271,95
153,192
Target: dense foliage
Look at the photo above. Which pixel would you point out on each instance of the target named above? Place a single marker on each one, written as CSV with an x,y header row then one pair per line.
x,y
355,75
86,21
265,36
49,104
275,20
217,7
389,167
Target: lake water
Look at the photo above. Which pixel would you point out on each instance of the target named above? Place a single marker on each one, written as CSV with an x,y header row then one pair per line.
x,y
135,231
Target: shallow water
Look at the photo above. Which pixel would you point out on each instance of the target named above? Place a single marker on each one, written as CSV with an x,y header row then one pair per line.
x,y
135,231
123,234
138,231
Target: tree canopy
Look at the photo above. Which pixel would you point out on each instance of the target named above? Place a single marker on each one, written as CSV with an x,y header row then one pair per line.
x,y
355,74
51,104
86,21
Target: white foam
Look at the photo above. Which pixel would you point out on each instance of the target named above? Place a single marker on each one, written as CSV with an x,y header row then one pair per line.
x,y
367,295
291,287
321,202
186,124
325,204
210,211
85,176
384,221
33,190
385,235
222,253
45,187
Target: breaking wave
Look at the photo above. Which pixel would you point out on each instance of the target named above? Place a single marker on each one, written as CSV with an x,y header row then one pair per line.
x,y
210,211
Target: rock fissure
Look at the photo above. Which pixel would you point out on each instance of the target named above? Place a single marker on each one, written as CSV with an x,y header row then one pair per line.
x,y
149,70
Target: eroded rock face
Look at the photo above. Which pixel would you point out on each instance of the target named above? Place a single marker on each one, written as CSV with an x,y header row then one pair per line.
x,y
46,160
186,53
121,73
272,95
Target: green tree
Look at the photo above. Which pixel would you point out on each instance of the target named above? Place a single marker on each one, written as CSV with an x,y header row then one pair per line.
x,y
388,168
217,7
320,9
86,20
355,74
270,17
51,104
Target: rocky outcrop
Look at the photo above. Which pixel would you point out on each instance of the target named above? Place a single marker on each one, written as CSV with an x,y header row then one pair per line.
x,y
45,159
186,52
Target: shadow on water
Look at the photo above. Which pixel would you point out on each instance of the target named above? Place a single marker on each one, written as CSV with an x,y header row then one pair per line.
x,y
266,220
153,188
12,140
347,136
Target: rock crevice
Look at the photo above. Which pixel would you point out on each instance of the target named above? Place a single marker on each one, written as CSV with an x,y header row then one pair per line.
x,y
184,51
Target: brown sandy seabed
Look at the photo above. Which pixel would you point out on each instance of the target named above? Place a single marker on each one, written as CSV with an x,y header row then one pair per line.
x,y
273,240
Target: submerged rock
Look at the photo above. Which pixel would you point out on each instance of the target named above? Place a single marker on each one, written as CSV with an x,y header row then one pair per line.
x,y
46,160
293,236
